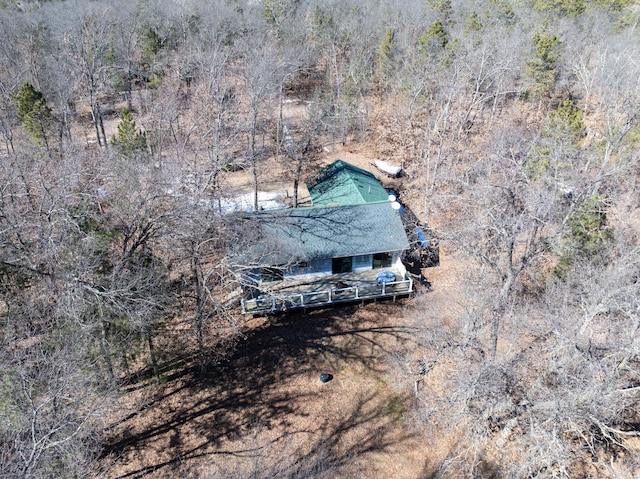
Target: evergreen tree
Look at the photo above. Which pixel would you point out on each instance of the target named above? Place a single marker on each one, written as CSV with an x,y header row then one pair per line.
x,y
34,113
588,236
567,121
386,55
128,142
542,67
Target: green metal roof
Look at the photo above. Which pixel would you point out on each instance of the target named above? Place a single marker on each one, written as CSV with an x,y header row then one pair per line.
x,y
341,183
305,234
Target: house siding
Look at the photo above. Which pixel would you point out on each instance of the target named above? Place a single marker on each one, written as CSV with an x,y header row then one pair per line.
x,y
397,262
362,262
323,267
317,268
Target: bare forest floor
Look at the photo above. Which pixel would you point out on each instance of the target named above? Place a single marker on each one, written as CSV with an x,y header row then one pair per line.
x,y
264,408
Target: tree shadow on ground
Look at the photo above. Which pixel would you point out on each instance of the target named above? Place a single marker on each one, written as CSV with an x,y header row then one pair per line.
x,y
202,411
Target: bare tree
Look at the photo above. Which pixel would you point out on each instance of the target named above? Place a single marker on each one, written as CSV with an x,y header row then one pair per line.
x,y
259,72
298,146
87,45
55,408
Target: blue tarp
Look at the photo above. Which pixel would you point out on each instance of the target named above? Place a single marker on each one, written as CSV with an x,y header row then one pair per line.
x,y
385,277
422,238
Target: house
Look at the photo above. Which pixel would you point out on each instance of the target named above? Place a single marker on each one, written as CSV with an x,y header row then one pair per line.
x,y
346,247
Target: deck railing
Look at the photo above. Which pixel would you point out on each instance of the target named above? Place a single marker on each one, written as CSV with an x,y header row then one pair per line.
x,y
310,299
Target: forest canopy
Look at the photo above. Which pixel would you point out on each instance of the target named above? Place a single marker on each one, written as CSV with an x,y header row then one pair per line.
x,y
122,124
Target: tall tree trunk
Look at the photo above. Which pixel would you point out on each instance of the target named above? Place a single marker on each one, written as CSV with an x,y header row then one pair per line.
x,y
104,137
196,269
94,119
254,161
152,355
104,348
296,182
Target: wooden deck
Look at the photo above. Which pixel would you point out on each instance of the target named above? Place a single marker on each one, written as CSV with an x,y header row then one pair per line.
x,y
316,292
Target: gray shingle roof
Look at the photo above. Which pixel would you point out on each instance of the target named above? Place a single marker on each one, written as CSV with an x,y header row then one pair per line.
x,y
304,234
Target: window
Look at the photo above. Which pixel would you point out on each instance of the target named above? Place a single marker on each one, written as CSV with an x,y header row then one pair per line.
x,y
341,265
382,260
362,260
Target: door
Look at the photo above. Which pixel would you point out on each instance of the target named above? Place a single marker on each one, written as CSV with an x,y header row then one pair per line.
x,y
382,260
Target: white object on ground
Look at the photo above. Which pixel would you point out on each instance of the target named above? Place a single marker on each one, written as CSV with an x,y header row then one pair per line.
x,y
388,168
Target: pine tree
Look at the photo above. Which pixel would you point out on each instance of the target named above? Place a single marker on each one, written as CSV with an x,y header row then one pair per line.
x,y
542,67
34,113
128,142
567,121
386,55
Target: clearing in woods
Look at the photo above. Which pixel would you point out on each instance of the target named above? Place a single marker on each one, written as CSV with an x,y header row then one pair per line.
x,y
265,409
263,412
